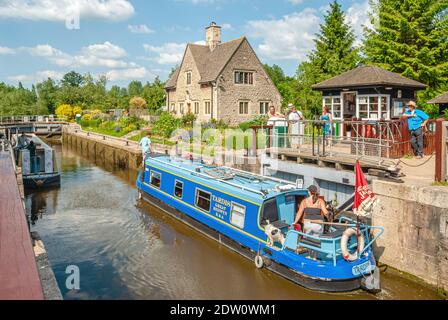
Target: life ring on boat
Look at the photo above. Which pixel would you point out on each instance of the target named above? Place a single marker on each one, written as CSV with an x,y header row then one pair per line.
x,y
259,262
344,244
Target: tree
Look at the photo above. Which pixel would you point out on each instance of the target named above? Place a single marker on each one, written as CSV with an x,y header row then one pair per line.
x,y
137,103
409,37
72,79
276,73
46,94
154,94
135,88
334,53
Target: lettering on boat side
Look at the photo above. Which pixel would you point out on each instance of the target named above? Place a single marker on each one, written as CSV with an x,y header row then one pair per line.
x,y
222,309
220,207
361,268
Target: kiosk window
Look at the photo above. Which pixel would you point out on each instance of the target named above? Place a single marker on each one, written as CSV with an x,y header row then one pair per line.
x,y
202,200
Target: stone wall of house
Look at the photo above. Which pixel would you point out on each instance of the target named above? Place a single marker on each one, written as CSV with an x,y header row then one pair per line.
x,y
196,93
415,239
230,94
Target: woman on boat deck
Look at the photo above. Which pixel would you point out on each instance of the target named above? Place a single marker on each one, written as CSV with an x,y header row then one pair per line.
x,y
313,201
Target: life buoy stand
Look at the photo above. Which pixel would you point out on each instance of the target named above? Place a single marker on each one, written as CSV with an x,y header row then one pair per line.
x,y
344,244
259,262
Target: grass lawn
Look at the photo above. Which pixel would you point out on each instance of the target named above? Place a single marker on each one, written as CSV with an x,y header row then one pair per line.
x,y
154,139
104,131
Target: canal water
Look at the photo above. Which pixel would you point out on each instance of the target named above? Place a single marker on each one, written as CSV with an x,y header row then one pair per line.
x,y
127,249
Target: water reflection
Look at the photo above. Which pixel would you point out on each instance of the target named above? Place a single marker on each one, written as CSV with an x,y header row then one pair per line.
x,y
127,249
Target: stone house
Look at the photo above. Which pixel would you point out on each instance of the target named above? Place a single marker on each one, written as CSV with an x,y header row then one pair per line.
x,y
221,81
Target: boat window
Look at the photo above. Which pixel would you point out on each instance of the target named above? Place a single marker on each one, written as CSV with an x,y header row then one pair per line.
x,y
178,188
202,200
155,179
270,212
237,215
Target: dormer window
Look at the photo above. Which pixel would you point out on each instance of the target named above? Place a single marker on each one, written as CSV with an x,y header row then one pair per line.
x,y
244,77
188,77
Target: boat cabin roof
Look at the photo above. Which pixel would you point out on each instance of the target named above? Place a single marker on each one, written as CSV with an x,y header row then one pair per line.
x,y
253,187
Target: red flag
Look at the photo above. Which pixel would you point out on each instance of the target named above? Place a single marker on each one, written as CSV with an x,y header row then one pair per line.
x,y
364,198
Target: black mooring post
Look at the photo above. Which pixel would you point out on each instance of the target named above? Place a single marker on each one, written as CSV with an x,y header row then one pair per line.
x,y
323,140
312,142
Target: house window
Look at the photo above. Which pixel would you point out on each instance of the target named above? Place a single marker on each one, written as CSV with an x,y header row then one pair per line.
x,y
196,108
334,105
181,108
244,77
202,200
155,179
237,215
208,107
173,107
189,77
373,107
178,189
264,107
244,107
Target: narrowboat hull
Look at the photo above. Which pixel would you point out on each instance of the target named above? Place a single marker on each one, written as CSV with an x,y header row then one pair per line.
x,y
316,284
44,180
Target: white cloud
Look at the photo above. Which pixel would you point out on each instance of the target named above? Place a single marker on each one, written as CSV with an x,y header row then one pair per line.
x,y
288,38
227,26
295,2
6,50
128,74
358,18
38,76
97,55
143,28
60,10
104,50
169,53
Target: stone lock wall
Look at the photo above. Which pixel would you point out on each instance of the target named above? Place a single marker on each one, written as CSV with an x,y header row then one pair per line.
x,y
416,230
104,153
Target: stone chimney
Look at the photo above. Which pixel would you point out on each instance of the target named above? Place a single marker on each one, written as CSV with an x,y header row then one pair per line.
x,y
213,35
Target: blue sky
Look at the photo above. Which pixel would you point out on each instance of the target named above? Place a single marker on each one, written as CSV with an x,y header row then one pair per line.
x,y
139,39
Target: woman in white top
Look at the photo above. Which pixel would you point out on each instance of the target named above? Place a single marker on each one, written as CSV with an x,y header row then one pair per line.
x,y
295,127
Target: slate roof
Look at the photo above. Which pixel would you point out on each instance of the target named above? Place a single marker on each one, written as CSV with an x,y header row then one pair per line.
x,y
442,99
209,63
366,76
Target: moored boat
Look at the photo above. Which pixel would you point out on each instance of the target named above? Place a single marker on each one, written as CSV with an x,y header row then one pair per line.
x,y
41,170
253,215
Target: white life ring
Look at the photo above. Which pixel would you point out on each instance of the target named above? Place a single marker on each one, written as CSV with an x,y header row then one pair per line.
x,y
259,262
344,248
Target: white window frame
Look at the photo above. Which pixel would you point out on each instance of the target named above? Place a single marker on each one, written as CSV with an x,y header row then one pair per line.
x,y
267,103
189,76
196,197
196,103
380,111
209,111
181,108
248,107
243,83
241,226
332,105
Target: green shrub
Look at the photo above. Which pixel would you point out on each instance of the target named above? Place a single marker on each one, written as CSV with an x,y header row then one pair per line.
x,y
188,119
258,121
166,125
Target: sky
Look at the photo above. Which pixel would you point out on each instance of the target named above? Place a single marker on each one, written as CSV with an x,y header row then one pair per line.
x,y
140,39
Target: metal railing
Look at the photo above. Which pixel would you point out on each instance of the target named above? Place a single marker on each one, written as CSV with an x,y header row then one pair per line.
x,y
4,120
378,139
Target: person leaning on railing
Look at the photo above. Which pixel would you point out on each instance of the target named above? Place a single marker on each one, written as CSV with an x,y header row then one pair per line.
x,y
145,144
417,120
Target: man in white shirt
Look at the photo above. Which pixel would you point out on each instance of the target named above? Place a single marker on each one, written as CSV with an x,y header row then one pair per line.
x,y
295,126
145,144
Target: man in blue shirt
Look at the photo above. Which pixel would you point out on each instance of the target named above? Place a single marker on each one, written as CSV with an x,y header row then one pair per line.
x,y
417,121
145,144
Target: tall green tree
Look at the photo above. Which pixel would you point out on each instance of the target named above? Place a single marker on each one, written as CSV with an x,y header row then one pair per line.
x,y
410,37
334,53
154,94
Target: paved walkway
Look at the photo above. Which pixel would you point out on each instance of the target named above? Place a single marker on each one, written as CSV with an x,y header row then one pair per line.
x,y
19,279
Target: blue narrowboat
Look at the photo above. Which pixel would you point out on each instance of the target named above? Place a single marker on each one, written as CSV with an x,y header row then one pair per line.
x,y
253,215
